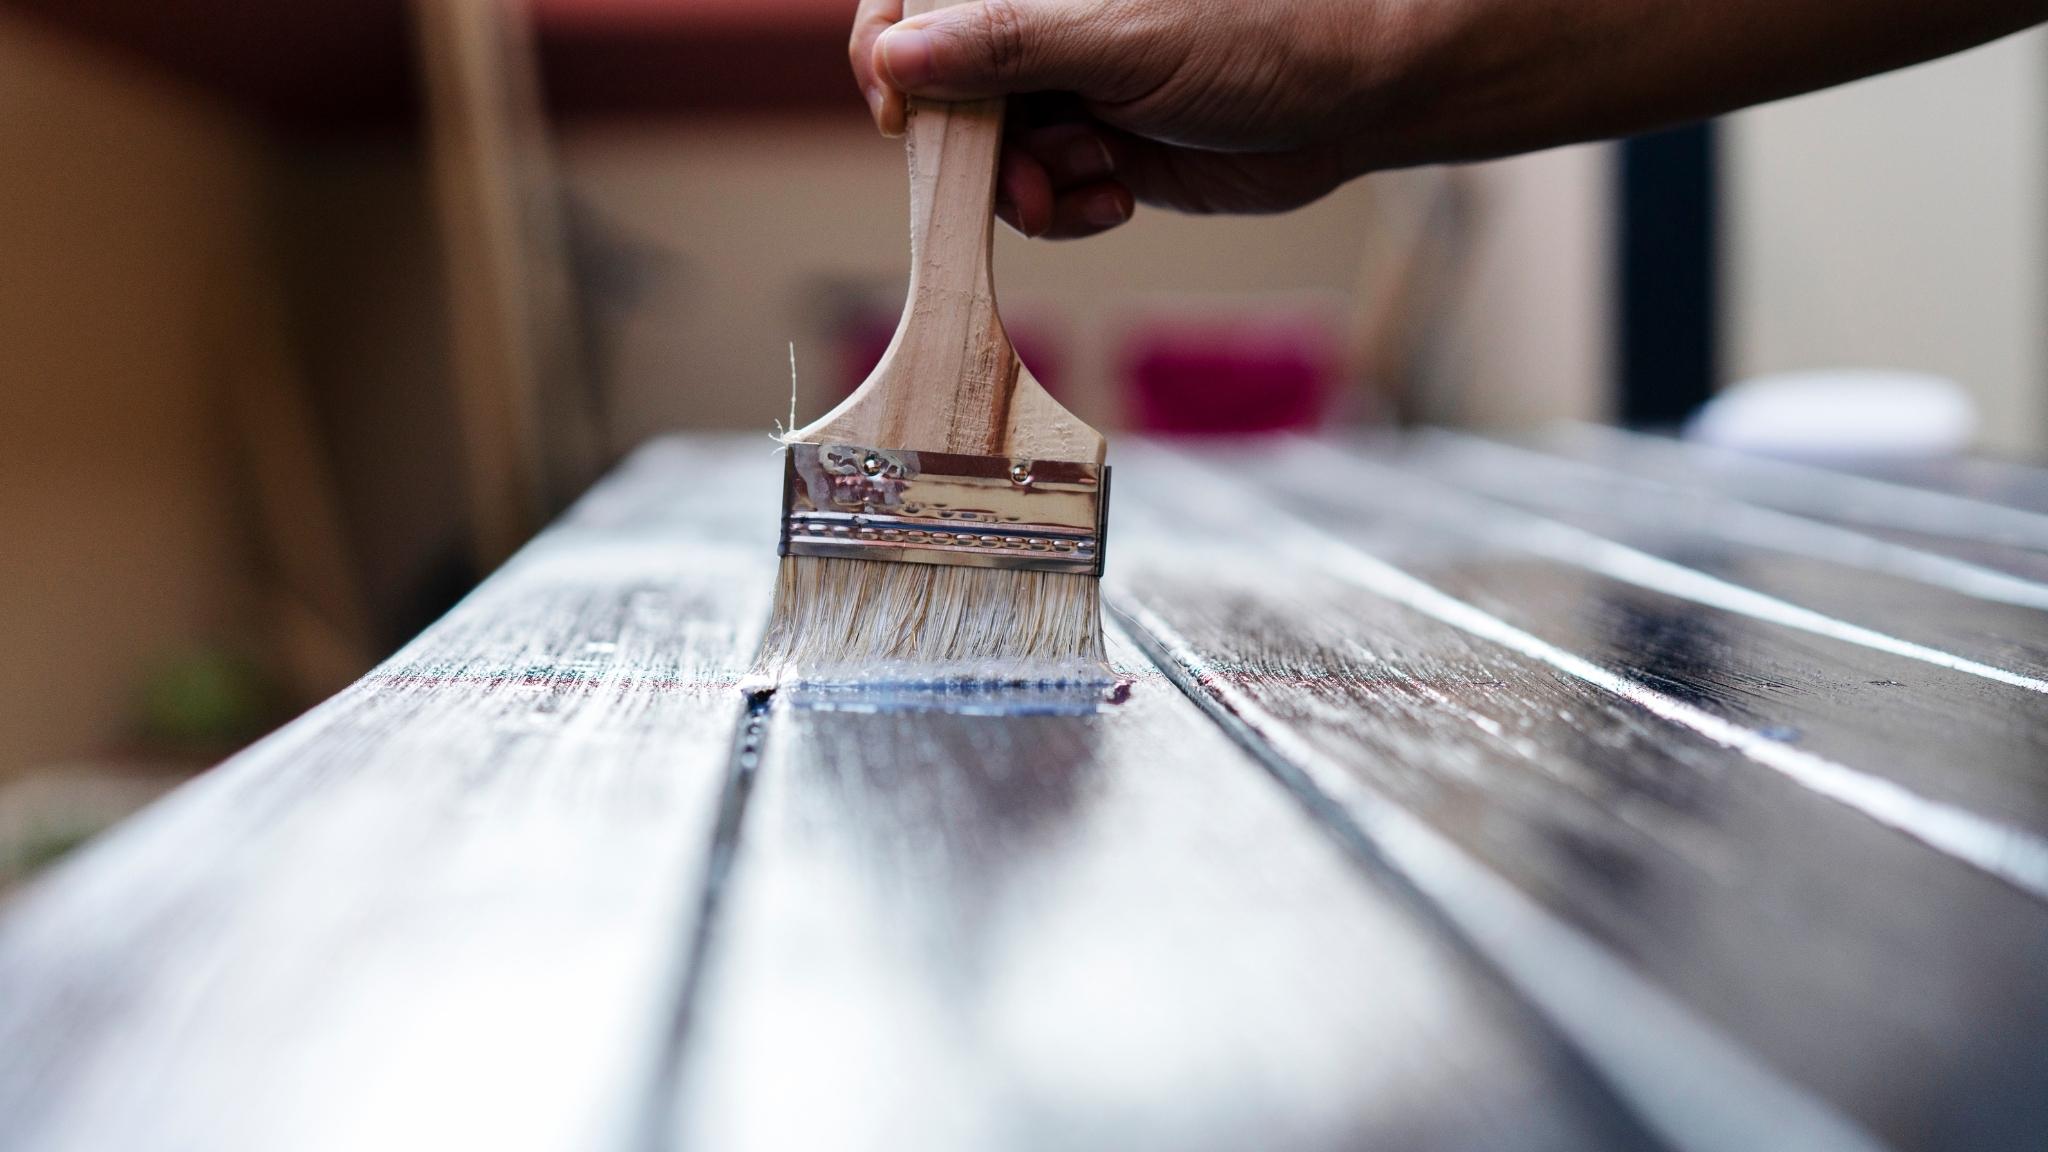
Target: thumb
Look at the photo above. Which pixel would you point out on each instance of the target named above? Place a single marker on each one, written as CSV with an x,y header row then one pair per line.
x,y
994,47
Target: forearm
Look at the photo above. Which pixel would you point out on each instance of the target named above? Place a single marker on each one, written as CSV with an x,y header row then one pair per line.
x,y
1242,106
1468,79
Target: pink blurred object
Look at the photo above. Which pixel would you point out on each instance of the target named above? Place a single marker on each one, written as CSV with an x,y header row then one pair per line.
x,y
1231,374
862,339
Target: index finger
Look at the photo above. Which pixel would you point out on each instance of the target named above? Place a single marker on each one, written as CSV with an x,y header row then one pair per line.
x,y
885,103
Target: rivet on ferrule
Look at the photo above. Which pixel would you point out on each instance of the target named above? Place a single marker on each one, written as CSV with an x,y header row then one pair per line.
x,y
944,508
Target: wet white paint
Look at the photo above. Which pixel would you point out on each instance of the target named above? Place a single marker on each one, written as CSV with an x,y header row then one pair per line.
x,y
2013,854
1576,547
1502,468
1694,1086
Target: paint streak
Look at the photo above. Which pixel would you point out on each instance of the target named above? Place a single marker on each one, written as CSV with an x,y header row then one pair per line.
x,y
1518,474
2013,854
1568,545
1699,1090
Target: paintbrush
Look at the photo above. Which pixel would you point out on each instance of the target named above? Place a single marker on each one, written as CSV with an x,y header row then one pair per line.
x,y
946,521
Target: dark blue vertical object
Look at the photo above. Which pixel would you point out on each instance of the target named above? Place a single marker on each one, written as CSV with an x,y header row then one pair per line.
x,y
1667,276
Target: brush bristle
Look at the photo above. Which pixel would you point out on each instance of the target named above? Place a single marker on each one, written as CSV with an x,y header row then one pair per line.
x,y
838,619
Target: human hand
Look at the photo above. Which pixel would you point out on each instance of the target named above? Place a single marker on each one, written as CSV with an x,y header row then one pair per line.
x,y
1199,107
1265,105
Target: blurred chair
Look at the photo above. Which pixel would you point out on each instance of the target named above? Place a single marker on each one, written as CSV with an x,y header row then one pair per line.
x,y
1250,366
1230,371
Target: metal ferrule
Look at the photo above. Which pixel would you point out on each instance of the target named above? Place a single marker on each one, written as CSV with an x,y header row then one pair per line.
x,y
863,503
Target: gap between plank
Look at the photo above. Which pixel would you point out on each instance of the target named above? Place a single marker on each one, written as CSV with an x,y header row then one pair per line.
x,y
2015,855
1871,501
1694,1087
1749,524
1575,547
750,737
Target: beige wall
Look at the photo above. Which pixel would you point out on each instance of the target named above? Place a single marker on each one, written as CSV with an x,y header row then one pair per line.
x,y
1902,222
1529,337
744,222
754,220
124,260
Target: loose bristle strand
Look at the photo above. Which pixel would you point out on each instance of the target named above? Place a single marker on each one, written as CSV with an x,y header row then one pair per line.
x,y
856,620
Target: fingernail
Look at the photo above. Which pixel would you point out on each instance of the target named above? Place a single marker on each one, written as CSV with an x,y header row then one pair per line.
x,y
907,56
874,96
1089,159
891,115
1104,210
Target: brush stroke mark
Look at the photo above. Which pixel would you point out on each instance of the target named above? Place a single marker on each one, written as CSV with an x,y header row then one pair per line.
x,y
961,697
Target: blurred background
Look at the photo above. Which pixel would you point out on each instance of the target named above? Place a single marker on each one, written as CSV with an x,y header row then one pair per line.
x,y
310,312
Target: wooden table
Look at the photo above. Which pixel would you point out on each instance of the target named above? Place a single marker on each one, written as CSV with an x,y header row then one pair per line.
x,y
1604,793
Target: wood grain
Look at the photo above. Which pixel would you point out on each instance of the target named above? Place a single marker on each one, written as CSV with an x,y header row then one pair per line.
x,y
1733,888
1949,737
1930,599
1835,496
1939,523
1427,819
1107,930
445,909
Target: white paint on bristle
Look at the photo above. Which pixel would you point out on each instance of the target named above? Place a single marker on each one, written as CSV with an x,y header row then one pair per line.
x,y
866,621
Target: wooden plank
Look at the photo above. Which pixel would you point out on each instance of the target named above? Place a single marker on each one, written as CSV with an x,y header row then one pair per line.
x,y
1103,929
2022,563
1902,988
1816,694
446,909
1831,496
1932,600
463,903
2006,482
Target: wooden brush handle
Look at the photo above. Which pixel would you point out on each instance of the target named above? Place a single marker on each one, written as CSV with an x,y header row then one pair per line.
x,y
950,382
953,341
